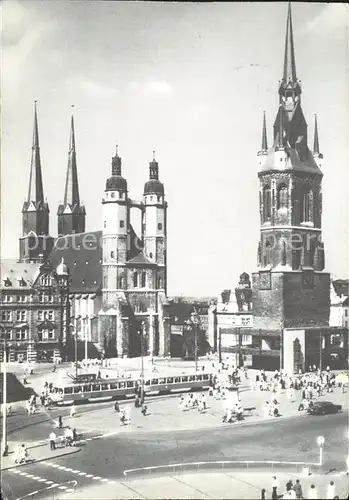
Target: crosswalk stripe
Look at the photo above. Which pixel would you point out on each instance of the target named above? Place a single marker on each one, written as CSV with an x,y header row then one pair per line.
x,y
36,478
15,471
104,480
82,473
62,487
49,482
42,480
89,475
97,477
54,485
68,469
23,473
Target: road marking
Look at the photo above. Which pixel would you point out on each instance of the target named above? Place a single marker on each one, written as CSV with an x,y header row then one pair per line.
x,y
54,485
62,487
88,439
36,478
42,480
30,475
69,490
97,477
104,480
55,466
62,467
68,469
49,482
89,475
82,473
15,471
23,473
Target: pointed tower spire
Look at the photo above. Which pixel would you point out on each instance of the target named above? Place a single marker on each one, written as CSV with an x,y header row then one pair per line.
x,y
154,169
289,59
116,163
264,134
316,149
71,214
35,191
71,192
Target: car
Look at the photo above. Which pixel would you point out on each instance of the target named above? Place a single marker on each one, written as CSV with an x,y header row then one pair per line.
x,y
323,408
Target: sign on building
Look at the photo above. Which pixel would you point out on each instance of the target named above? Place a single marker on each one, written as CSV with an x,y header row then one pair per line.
x,y
176,329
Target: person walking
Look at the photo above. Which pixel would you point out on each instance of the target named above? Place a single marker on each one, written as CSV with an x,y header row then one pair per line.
x,y
72,411
263,494
52,438
298,489
117,407
60,422
331,490
274,486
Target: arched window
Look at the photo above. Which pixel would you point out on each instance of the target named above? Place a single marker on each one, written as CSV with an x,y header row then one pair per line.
x,y
266,203
267,253
282,197
308,206
144,278
135,279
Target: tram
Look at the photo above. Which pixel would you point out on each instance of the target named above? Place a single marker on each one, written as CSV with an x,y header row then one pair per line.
x,y
112,389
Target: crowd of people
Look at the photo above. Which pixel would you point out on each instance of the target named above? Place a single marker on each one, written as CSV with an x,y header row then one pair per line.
x,y
294,491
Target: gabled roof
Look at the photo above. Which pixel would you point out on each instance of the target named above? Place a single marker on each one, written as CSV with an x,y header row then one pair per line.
x,y
15,271
140,260
83,255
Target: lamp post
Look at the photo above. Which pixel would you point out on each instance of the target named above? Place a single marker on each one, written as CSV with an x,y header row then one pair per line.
x,y
195,321
141,332
75,349
4,396
320,442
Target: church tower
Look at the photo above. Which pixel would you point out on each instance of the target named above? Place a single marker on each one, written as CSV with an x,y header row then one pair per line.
x,y
115,233
155,223
291,288
35,244
71,214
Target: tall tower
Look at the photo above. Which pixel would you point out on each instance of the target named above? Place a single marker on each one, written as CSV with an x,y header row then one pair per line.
x,y
291,288
71,214
35,244
115,234
155,223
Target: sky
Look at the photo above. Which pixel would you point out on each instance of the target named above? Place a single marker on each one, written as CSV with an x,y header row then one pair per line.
x,y
190,81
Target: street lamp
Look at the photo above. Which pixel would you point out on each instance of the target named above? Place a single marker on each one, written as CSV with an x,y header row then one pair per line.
x,y
75,349
4,397
320,442
195,321
141,332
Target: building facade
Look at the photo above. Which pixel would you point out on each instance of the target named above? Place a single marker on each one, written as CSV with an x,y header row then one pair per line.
x,y
339,315
34,310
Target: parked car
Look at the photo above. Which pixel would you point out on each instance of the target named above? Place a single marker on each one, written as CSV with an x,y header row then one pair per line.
x,y
323,408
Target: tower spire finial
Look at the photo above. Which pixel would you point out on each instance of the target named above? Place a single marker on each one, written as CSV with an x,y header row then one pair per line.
x,y
35,191
154,155
264,134
71,193
316,149
289,59
116,163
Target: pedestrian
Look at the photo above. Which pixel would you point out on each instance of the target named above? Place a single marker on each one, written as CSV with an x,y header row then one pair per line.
x,y
263,492
52,438
144,410
298,489
274,485
75,437
289,485
60,422
9,409
331,490
117,407
72,411
312,494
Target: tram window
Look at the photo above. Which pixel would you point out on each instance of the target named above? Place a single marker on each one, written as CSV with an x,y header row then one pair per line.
x,y
130,383
191,378
170,380
87,388
96,387
184,379
198,377
147,382
162,381
177,379
114,385
205,376
68,390
77,389
122,385
105,387
155,381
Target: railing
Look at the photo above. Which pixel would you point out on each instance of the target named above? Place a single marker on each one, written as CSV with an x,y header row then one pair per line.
x,y
221,464
62,486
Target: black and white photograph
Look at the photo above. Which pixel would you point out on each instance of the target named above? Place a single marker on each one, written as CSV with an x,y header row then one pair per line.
x,y
174,285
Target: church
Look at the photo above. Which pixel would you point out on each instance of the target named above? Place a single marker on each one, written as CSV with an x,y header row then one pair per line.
x,y
117,279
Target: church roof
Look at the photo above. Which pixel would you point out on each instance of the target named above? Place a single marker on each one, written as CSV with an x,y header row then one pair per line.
x,y
82,254
140,260
341,287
